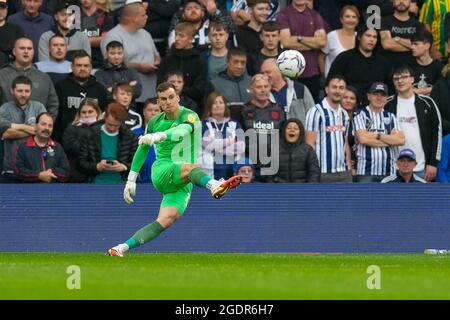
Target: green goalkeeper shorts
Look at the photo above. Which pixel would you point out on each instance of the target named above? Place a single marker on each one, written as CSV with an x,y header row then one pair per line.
x,y
166,178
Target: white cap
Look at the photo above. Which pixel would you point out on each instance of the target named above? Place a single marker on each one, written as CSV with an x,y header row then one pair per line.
x,y
132,1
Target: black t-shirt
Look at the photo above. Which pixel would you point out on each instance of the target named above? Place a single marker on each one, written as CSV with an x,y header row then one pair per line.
x,y
8,35
94,26
425,76
402,29
255,60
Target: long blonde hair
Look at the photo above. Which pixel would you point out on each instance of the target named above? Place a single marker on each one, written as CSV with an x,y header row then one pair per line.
x,y
446,70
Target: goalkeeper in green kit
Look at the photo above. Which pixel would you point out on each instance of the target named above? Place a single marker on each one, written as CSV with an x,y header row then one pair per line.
x,y
177,135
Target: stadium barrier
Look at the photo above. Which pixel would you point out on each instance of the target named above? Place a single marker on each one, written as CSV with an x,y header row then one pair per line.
x,y
354,218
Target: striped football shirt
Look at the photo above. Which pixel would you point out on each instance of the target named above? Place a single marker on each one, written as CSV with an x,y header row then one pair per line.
x,y
375,161
332,128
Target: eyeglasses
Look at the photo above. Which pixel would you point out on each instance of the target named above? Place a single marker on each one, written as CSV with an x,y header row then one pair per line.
x,y
396,79
246,171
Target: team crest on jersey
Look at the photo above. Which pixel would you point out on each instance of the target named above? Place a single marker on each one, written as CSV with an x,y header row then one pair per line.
x,y
191,118
386,120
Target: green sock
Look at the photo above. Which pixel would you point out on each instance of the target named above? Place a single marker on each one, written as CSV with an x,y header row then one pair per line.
x,y
145,234
198,177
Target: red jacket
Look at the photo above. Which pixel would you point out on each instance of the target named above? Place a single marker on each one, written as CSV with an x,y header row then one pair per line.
x,y
30,159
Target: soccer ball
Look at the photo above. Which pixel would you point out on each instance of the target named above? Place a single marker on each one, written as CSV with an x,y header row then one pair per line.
x,y
291,63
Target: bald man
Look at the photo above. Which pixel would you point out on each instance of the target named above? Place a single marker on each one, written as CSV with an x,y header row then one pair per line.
x,y
139,47
293,96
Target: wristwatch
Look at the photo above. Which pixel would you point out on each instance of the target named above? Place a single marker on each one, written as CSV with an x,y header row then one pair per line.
x,y
299,39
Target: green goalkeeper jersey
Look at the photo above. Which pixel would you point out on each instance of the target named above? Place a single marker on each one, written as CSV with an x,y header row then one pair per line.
x,y
177,148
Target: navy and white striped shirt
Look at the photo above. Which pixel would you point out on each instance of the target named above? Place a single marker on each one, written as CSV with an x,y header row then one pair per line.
x,y
375,161
332,128
242,5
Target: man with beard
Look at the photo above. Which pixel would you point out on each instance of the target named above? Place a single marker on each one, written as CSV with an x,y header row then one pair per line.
x,y
362,65
76,39
39,158
396,33
327,132
201,13
43,89
57,67
247,35
17,120
75,87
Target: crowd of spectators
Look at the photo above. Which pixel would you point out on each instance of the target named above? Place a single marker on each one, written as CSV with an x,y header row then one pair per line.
x,y
78,80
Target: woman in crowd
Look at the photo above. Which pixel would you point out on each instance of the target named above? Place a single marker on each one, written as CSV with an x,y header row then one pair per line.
x,y
341,39
297,161
88,113
221,145
350,103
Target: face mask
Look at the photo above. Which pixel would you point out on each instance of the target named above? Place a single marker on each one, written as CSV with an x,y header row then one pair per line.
x,y
88,120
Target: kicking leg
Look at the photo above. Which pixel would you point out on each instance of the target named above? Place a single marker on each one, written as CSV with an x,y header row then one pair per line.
x,y
192,173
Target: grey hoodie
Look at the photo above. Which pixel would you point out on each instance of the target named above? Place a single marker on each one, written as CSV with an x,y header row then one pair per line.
x,y
42,90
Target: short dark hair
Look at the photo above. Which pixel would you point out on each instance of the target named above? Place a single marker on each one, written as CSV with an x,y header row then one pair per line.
x,y
171,73
78,54
55,36
21,80
44,114
403,69
270,26
423,36
152,100
252,3
165,86
236,51
114,44
334,77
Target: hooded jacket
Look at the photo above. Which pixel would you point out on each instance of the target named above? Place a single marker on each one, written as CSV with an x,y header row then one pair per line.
x,y
76,40
193,67
42,86
297,161
430,125
70,94
110,75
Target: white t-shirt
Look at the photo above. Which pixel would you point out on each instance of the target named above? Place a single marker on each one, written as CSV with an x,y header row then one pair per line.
x,y
407,119
332,49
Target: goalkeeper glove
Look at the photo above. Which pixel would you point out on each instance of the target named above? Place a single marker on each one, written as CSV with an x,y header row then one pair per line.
x,y
130,187
152,138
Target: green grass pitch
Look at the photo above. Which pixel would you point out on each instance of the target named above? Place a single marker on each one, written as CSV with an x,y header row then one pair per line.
x,y
198,276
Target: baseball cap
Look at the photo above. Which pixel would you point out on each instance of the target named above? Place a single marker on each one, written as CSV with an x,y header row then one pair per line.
x,y
64,4
407,153
242,163
378,87
3,4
